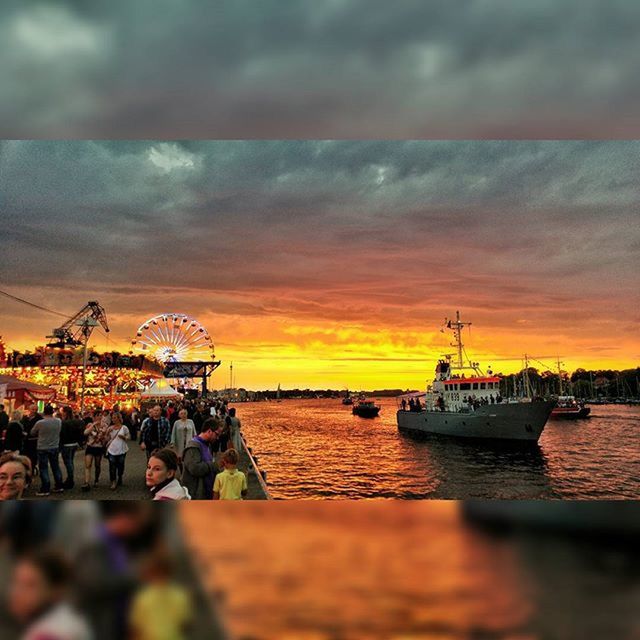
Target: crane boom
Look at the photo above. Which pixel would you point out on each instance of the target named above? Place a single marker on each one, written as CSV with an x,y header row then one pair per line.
x,y
77,329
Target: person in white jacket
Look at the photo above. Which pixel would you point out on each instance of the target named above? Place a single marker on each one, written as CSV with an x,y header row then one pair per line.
x,y
161,476
183,431
38,598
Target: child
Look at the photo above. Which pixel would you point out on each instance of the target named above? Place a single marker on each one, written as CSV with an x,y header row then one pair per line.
x,y
161,609
231,484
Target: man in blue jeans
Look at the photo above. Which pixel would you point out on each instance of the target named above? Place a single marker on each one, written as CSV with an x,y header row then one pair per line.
x,y
71,436
47,431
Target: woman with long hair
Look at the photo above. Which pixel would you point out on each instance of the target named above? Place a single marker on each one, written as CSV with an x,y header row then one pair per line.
x,y
39,599
117,449
97,434
161,476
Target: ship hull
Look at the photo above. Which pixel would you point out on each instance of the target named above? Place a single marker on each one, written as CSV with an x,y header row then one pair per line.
x,y
366,412
506,422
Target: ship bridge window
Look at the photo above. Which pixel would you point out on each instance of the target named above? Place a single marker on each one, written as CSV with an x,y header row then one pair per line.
x,y
490,385
465,386
475,386
483,385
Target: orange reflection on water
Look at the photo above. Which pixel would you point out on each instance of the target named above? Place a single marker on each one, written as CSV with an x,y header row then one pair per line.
x,y
363,570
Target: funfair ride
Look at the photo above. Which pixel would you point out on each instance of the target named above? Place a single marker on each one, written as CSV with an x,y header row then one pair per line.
x,y
181,344
80,376
472,407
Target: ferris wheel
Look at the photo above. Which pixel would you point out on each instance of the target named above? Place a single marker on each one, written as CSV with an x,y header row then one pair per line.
x,y
174,337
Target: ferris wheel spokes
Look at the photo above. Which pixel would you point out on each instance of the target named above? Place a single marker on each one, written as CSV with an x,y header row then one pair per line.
x,y
174,337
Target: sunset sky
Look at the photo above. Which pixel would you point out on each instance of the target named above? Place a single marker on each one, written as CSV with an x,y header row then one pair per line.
x,y
320,263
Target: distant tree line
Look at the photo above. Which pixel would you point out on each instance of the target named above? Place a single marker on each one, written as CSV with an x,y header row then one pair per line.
x,y
582,383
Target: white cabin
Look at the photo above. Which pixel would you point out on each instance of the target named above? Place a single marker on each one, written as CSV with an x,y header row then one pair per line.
x,y
458,393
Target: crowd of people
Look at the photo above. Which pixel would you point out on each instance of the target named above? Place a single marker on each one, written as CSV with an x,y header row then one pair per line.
x,y
472,403
85,570
192,449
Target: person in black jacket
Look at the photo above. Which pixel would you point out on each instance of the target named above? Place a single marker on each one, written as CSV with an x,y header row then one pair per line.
x,y
31,442
14,435
71,436
4,421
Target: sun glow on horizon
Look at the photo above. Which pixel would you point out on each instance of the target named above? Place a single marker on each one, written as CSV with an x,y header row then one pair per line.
x,y
267,351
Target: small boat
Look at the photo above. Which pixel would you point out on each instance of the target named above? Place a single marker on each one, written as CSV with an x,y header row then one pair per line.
x,y
366,409
568,408
347,400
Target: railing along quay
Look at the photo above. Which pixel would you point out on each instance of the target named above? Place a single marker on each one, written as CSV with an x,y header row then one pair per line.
x,y
257,473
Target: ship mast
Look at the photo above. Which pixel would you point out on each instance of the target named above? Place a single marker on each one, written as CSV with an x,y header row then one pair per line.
x,y
456,326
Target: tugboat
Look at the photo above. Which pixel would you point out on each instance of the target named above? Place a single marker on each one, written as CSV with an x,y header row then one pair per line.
x,y
366,409
568,408
472,407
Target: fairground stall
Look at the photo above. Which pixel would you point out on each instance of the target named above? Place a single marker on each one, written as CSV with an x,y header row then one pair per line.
x,y
159,391
16,393
109,378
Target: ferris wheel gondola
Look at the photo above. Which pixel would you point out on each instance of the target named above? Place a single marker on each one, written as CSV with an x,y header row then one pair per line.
x,y
174,337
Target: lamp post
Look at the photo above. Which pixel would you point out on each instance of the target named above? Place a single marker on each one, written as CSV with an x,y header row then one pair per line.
x,y
87,325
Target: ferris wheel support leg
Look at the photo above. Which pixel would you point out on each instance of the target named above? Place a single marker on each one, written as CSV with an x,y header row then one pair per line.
x,y
204,383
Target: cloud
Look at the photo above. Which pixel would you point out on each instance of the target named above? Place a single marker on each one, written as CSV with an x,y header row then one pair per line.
x,y
48,32
254,236
169,157
350,69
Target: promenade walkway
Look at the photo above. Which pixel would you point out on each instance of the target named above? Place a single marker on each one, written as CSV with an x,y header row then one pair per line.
x,y
134,487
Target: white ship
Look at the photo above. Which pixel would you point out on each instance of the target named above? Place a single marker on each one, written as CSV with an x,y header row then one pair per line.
x,y
471,407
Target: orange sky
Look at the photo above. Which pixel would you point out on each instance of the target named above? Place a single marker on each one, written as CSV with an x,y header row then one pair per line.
x,y
299,352
318,263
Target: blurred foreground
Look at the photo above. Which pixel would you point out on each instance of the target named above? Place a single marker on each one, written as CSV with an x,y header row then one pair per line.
x,y
357,570
437,570
98,571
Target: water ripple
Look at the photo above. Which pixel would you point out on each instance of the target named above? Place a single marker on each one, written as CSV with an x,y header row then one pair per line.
x,y
318,449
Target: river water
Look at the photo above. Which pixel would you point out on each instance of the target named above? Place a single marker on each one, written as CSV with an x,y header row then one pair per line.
x,y
318,449
406,571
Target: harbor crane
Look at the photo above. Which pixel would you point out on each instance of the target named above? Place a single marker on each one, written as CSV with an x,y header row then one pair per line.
x,y
77,329
76,332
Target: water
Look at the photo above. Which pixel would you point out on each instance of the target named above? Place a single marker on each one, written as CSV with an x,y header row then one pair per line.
x,y
406,570
318,449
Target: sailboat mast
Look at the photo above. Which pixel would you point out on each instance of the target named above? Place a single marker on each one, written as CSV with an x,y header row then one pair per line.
x,y
559,379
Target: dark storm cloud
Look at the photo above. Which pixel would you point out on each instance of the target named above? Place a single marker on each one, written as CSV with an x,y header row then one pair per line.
x,y
300,228
337,68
